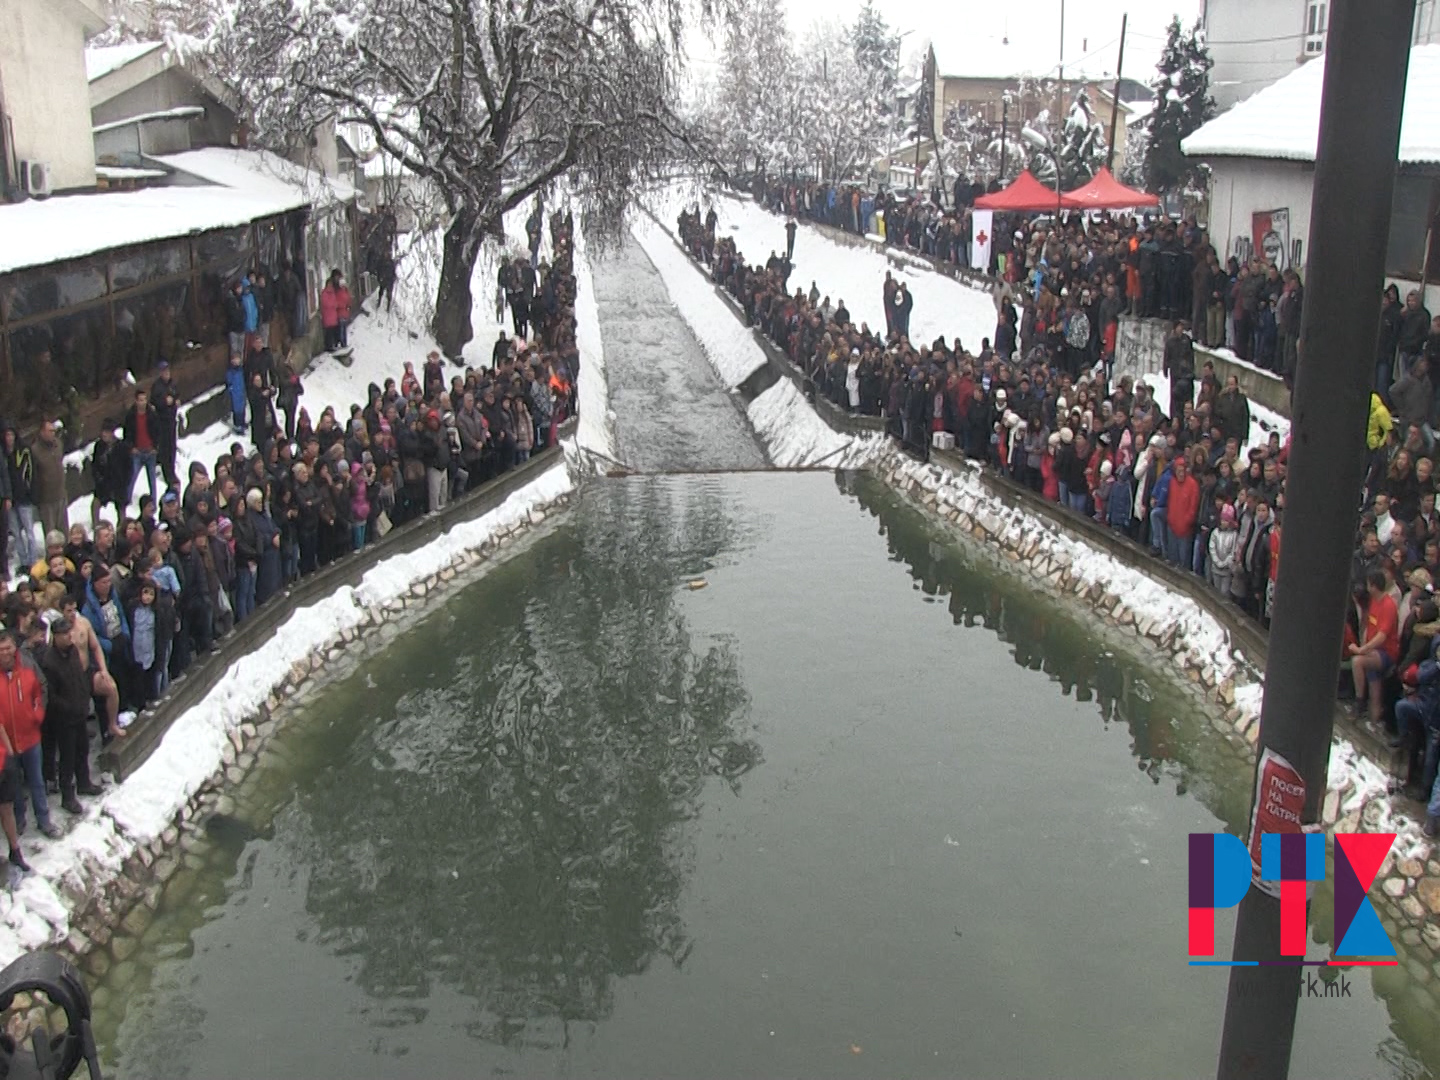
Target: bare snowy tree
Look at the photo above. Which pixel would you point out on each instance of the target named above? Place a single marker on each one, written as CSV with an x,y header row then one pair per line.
x,y
156,20
847,126
750,114
493,101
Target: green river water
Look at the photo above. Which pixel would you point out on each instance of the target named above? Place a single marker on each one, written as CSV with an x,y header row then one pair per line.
x,y
862,806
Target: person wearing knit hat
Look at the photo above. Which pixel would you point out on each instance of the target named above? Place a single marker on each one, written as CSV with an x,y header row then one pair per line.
x,y
1067,436
1220,564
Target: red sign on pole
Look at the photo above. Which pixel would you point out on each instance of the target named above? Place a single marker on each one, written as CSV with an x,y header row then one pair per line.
x,y
1279,802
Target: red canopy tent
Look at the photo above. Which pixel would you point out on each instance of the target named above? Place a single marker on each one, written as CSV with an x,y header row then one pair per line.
x,y
1025,193
1104,192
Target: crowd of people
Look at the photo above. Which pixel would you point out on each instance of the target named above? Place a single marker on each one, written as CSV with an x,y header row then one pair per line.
x,y
105,615
1152,268
1182,478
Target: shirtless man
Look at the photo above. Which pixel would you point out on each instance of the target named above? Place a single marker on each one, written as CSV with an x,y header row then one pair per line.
x,y
92,658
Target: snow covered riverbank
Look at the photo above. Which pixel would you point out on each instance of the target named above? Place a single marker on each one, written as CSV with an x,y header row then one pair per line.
x,y
1054,558
138,819
853,271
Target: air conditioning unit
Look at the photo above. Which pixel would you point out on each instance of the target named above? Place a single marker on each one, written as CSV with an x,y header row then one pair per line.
x,y
35,178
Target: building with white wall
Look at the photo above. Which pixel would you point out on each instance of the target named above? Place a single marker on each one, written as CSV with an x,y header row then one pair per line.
x,y
1256,42
1261,156
44,99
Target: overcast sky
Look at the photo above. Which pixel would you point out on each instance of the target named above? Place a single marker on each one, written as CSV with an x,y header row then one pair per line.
x,y
1092,27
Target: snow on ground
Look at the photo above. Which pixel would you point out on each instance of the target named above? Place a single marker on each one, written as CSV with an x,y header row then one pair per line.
x,y
596,431
793,435
729,345
137,811
850,272
382,341
796,438
855,273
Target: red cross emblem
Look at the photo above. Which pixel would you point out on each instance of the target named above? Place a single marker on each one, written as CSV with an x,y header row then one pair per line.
x,y
982,238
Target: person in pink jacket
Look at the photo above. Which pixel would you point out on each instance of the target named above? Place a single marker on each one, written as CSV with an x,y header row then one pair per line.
x,y
360,477
335,312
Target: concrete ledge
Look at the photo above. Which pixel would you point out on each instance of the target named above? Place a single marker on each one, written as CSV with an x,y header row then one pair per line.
x,y
1140,350
124,756
1260,386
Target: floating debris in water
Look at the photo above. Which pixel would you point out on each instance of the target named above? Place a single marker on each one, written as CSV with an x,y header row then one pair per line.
x,y
698,583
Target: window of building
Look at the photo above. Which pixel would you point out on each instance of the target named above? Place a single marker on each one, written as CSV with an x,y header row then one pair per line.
x,y
1315,15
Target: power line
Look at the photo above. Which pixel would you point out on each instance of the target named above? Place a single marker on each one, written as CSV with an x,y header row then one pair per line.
x,y
1248,41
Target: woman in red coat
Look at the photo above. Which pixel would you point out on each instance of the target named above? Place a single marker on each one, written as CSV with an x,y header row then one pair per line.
x,y
335,312
1049,481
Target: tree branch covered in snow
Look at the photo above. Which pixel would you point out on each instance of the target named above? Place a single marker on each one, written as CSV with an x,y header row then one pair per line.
x,y
491,101
825,103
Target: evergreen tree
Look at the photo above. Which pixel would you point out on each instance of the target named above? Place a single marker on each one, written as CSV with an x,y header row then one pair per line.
x,y
1182,104
877,52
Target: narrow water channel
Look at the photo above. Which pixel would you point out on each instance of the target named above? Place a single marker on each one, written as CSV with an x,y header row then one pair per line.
x,y
861,806
671,411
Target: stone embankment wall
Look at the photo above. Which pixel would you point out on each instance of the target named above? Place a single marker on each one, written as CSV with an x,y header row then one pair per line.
x,y
110,907
1211,645
1055,560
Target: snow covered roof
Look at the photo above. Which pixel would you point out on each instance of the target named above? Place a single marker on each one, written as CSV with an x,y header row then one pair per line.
x,y
102,60
261,174
120,172
1282,121
374,163
43,231
1139,110
240,186
180,112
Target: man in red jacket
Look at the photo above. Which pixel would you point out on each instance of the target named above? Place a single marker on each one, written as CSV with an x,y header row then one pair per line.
x,y
1180,515
22,691
22,711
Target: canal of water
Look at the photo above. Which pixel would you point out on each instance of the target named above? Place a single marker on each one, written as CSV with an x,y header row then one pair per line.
x,y
863,805
860,806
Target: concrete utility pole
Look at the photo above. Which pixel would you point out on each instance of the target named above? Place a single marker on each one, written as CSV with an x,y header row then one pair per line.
x,y
1004,127
1115,104
1366,57
1060,102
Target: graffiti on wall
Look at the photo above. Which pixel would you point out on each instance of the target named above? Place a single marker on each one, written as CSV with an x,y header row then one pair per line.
x,y
1139,347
